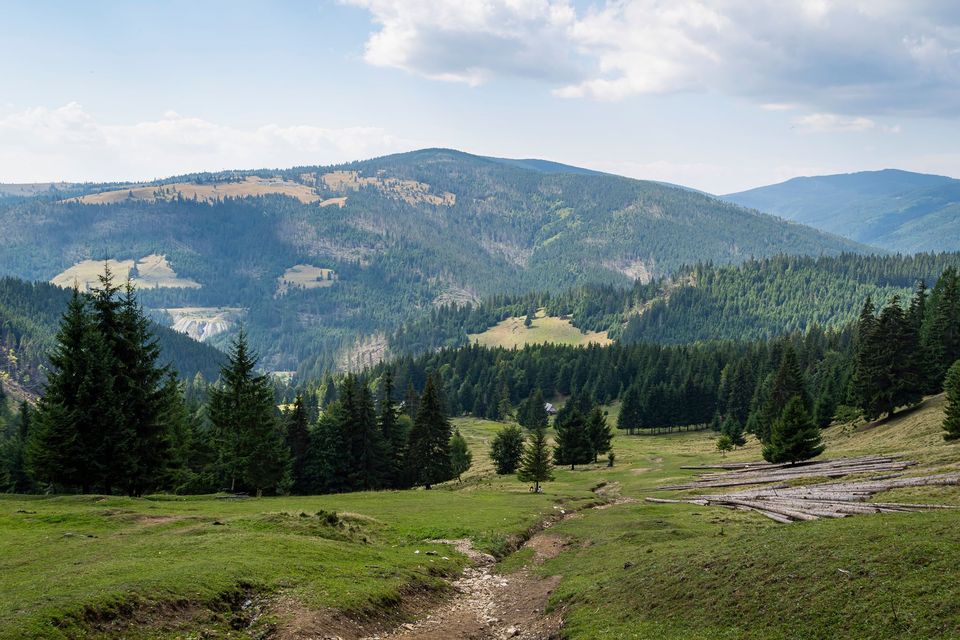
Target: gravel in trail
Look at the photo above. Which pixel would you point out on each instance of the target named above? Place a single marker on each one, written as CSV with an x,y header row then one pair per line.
x,y
492,606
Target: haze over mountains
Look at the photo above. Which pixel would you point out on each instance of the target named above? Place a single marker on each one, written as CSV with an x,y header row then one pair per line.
x,y
314,257
891,209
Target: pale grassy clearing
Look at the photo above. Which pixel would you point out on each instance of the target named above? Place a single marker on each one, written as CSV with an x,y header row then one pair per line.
x,y
305,276
248,187
409,191
511,333
153,271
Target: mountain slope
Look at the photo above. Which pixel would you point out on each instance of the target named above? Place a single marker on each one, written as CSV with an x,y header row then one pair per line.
x,y
395,236
892,209
30,315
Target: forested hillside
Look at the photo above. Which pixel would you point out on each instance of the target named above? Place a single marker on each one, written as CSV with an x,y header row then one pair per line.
x,y
895,210
401,234
30,314
757,299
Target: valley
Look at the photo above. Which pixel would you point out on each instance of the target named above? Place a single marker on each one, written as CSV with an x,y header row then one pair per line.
x,y
161,566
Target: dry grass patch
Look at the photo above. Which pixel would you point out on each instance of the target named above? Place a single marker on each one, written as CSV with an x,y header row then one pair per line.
x,y
153,271
305,276
249,186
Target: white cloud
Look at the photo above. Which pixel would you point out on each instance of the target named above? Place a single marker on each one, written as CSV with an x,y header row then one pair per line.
x,y
471,42
68,143
841,56
833,123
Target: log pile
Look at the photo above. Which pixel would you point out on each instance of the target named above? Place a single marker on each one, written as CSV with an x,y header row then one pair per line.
x,y
785,503
749,473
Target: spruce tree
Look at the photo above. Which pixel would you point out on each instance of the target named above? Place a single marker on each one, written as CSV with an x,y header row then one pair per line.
x,y
428,448
573,445
460,456
532,412
298,441
252,450
59,449
598,432
734,431
631,410
951,421
535,463
506,449
394,436
368,451
941,333
787,384
794,437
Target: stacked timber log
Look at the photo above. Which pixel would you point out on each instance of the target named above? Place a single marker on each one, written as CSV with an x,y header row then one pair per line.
x,y
785,503
742,474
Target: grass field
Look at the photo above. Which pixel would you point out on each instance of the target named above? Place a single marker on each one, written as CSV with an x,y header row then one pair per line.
x,y
637,570
248,187
511,333
305,276
152,271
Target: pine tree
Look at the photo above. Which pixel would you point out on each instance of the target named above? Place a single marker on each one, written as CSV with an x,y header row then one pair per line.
x,y
734,431
367,448
724,444
787,384
58,450
394,436
252,450
794,436
460,456
598,432
428,448
573,443
140,392
535,463
506,449
951,385
631,410
298,441
532,412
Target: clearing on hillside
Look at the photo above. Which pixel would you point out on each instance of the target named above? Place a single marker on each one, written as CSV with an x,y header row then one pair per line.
x,y
512,333
152,272
249,186
305,276
410,191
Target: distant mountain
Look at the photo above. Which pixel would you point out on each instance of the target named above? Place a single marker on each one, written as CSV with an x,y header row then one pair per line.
x,y
322,263
891,209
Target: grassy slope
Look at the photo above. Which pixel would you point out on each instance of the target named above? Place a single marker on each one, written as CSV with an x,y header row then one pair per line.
x,y
697,572
511,333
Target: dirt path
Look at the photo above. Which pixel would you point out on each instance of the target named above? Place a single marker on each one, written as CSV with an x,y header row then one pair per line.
x,y
491,606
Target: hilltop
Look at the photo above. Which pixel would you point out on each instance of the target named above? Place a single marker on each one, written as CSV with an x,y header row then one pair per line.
x,y
893,209
391,238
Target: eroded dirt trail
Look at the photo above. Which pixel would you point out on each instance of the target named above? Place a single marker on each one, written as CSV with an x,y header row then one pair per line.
x,y
492,606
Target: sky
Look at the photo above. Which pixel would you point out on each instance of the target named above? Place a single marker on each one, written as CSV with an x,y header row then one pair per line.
x,y
719,95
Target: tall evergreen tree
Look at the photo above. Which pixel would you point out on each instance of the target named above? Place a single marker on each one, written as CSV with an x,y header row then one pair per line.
x,y
787,384
951,421
298,441
506,449
428,449
941,332
532,412
367,448
535,465
598,432
59,450
394,436
631,409
252,450
573,442
794,436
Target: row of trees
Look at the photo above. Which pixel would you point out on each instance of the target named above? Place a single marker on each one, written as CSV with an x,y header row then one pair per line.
x,y
113,418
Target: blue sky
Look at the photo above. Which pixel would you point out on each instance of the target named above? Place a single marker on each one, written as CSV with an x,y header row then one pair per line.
x,y
720,95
